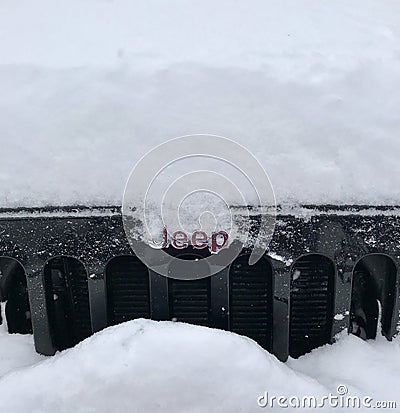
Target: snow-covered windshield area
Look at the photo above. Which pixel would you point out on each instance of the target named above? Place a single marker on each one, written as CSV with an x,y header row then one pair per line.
x,y
310,87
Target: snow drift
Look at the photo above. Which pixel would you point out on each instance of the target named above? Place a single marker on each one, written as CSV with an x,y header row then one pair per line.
x,y
147,366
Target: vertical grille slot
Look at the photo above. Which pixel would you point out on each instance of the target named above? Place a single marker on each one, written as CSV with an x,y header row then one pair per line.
x,y
14,291
128,290
190,300
251,300
374,281
311,303
68,301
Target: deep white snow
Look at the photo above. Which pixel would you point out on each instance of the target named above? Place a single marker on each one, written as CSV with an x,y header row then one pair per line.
x,y
146,366
311,87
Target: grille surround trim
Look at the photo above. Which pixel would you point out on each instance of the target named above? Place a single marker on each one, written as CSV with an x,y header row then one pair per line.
x,y
95,235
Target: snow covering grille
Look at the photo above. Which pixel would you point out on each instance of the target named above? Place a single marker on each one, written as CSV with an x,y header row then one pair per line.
x,y
311,303
67,301
251,301
128,290
190,301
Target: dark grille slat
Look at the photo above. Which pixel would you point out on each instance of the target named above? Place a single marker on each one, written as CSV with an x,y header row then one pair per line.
x,y
80,294
311,303
128,290
68,301
251,300
190,301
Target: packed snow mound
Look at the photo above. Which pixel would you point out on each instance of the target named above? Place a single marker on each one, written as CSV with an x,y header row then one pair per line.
x,y
309,86
146,366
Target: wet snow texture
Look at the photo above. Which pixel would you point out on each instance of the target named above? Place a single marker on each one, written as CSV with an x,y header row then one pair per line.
x,y
310,87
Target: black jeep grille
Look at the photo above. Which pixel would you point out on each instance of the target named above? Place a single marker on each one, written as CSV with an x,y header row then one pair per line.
x,y
286,310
